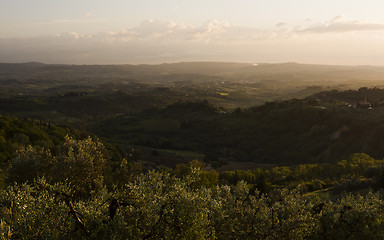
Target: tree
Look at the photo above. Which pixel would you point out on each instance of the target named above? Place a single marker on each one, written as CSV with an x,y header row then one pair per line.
x,y
81,163
356,164
30,163
78,162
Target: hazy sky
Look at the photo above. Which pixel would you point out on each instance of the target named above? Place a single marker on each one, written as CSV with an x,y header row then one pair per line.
x,y
347,32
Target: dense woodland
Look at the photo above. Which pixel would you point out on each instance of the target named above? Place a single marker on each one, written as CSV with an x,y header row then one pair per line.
x,y
176,153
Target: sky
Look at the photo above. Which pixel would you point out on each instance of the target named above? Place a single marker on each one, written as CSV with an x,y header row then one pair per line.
x,y
342,32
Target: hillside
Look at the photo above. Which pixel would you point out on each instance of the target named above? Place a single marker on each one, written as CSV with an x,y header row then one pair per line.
x,y
217,112
320,128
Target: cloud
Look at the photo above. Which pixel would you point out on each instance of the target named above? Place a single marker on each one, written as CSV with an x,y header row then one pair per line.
x,y
212,31
151,41
154,41
339,25
158,29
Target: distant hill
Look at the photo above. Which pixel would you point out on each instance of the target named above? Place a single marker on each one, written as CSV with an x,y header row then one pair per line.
x,y
34,70
227,70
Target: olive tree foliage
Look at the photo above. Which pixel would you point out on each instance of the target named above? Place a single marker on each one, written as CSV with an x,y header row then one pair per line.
x,y
34,211
351,217
155,206
81,163
78,162
159,205
30,163
258,216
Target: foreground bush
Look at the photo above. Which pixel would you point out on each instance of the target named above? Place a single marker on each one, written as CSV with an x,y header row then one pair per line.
x,y
160,206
